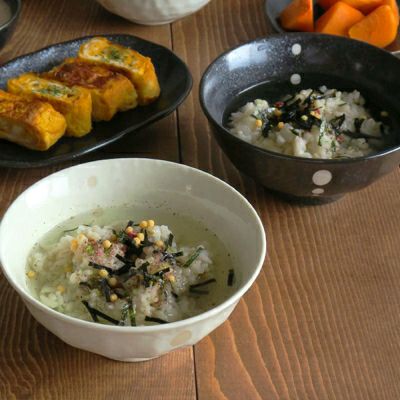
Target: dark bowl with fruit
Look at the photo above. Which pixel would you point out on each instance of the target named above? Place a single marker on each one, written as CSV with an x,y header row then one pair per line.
x,y
375,21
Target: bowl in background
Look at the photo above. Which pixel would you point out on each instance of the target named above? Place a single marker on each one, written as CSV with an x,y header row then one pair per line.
x,y
8,27
144,182
265,68
274,8
153,12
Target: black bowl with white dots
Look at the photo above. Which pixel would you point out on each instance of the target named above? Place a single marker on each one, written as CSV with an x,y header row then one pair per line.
x,y
272,67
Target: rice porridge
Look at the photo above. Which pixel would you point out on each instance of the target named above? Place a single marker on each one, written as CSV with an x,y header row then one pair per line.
x,y
128,272
324,123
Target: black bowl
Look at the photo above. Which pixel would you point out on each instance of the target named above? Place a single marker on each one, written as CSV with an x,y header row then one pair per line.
x,y
263,68
8,27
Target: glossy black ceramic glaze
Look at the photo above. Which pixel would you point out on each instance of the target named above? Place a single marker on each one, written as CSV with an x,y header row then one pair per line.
x,y
175,81
7,28
324,60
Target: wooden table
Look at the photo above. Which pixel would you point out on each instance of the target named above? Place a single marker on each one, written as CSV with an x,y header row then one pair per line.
x,y
321,322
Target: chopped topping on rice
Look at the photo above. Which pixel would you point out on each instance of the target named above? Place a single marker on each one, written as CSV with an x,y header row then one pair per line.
x,y
324,123
127,276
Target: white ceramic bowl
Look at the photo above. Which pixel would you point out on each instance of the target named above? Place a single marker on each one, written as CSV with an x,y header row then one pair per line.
x,y
152,183
153,12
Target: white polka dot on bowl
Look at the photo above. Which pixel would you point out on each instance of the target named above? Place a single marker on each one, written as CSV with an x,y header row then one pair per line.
x,y
322,177
296,49
295,79
318,191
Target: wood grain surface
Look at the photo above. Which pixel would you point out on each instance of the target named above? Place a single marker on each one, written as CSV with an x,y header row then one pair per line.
x,y
322,320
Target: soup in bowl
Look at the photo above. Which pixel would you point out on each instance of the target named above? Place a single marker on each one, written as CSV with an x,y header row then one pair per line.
x,y
309,116
131,258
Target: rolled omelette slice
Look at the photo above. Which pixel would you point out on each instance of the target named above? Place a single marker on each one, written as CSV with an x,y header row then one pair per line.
x,y
139,69
74,103
32,124
111,92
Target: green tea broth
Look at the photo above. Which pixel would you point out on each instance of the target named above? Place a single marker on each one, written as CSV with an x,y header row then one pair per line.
x,y
187,232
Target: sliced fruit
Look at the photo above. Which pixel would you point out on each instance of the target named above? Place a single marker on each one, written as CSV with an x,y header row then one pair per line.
x,y
378,28
365,6
338,19
298,16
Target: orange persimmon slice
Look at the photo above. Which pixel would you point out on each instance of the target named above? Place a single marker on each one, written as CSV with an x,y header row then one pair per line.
x,y
393,5
378,28
365,6
338,19
298,16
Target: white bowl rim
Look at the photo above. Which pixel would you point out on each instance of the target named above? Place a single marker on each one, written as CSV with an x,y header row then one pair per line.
x,y
235,297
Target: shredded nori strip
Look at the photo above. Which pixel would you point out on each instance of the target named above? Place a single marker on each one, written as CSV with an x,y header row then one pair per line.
x,y
291,115
106,289
144,266
170,240
133,250
154,319
174,294
294,131
192,258
130,223
131,313
162,272
355,135
177,254
146,242
123,270
98,266
96,313
120,292
307,101
337,122
231,276
316,121
71,230
124,260
267,127
357,124
132,272
148,278
208,281
124,315
91,311
303,124
169,257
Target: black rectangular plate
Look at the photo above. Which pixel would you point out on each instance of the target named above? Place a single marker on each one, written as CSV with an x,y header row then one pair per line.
x,y
175,82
